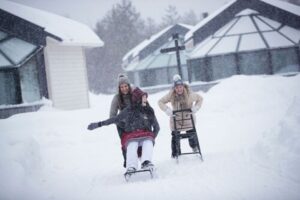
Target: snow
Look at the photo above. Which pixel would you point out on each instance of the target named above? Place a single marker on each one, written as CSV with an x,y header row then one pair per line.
x,y
43,101
248,129
69,31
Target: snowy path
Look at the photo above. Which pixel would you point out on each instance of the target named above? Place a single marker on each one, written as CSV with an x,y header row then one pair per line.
x,y
250,148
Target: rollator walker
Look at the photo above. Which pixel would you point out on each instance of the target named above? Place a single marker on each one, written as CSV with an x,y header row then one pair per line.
x,y
184,130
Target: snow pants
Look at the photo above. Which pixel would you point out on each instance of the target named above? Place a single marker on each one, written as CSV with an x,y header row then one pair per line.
x,y
131,153
120,131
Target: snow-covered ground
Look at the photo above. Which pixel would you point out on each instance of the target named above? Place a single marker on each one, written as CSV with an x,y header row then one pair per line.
x,y
249,134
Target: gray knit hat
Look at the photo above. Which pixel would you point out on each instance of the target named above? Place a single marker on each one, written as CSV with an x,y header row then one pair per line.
x,y
123,79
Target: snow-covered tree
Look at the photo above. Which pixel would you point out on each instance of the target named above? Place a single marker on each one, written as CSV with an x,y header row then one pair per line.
x,y
120,30
171,17
150,28
190,18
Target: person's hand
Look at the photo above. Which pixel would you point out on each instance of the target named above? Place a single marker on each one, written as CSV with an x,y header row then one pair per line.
x,y
194,109
94,125
169,112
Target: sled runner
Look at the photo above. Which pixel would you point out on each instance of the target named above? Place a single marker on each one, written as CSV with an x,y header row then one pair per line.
x,y
133,174
185,130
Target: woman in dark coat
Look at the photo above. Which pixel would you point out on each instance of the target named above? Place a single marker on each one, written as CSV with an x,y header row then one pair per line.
x,y
140,129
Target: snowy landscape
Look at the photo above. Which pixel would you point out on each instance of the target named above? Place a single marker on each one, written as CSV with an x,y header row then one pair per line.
x,y
248,129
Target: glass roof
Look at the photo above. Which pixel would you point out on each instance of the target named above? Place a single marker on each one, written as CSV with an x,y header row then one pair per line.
x,y
2,35
4,61
14,51
251,42
243,25
247,31
159,60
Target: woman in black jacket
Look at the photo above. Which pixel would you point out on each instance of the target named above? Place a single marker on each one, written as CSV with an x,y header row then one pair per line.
x,y
140,129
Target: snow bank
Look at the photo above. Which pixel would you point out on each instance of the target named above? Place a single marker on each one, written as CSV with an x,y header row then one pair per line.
x,y
248,129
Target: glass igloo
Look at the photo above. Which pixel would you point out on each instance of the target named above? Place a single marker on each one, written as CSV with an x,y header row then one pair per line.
x,y
249,44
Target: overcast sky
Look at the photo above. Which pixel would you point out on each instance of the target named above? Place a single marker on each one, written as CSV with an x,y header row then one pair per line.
x,y
91,11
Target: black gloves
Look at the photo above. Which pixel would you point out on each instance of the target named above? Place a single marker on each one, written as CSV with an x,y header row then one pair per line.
x,y
94,125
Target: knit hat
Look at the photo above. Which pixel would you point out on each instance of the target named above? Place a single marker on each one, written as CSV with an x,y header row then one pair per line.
x,y
123,79
136,95
177,80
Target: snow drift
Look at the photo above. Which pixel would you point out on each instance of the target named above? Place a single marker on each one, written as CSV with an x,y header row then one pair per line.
x,y
248,129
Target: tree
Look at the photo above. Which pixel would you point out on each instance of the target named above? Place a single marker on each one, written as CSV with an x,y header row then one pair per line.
x,y
189,18
150,28
120,30
172,17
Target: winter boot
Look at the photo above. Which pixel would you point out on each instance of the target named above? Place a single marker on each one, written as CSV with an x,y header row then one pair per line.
x,y
130,170
193,142
195,149
147,165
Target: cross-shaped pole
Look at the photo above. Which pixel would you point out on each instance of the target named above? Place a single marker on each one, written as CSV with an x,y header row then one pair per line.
x,y
177,49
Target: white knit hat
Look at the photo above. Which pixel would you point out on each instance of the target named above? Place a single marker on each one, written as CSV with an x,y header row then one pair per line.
x,y
177,80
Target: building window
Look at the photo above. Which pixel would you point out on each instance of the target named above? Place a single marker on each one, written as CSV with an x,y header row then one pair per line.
x,y
161,77
147,77
198,70
19,80
8,88
29,82
285,60
254,63
223,66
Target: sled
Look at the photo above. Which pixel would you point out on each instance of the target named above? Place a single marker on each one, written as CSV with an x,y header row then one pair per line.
x,y
142,172
181,116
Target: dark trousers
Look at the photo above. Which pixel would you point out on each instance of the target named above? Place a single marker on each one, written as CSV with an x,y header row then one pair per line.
x,y
175,143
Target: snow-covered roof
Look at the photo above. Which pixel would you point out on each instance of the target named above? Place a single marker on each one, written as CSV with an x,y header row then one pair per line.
x,y
207,19
135,51
245,33
276,3
292,8
69,31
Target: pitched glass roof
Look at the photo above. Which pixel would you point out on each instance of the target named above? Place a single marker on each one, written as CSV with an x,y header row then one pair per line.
x,y
247,31
13,51
159,60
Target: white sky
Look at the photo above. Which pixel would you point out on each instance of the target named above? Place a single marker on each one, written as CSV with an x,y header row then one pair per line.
x,y
90,11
